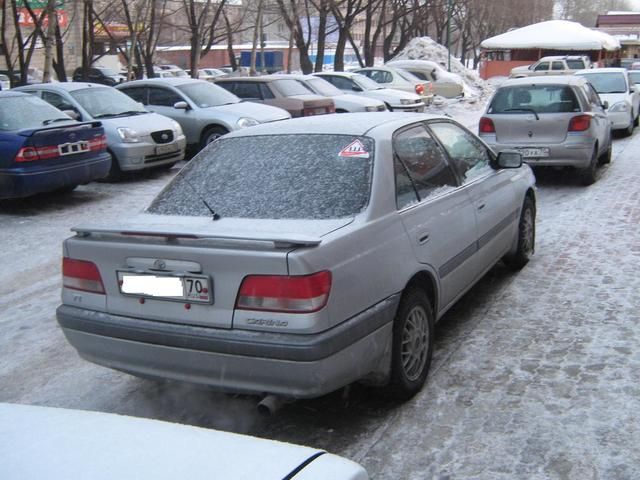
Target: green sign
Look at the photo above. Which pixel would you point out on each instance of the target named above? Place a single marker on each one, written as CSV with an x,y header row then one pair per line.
x,y
37,3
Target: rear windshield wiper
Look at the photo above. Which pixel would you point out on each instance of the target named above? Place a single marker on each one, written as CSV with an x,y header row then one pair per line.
x,y
52,120
214,215
523,109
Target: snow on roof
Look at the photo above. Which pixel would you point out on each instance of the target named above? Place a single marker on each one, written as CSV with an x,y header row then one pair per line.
x,y
554,34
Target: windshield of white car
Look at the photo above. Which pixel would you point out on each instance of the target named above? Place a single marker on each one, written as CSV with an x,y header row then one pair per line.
x,y
274,176
324,88
534,98
105,102
408,76
20,112
607,82
635,76
205,94
366,83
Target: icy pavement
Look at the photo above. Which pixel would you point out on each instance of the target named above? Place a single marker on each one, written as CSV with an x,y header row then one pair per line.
x,y
536,375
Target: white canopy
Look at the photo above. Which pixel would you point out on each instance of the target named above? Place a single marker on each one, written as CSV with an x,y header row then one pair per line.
x,y
553,35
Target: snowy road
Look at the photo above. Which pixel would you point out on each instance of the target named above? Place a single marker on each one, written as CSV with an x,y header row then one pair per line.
x,y
535,375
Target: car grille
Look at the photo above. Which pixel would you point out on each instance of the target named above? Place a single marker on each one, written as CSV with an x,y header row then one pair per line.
x,y
162,136
382,108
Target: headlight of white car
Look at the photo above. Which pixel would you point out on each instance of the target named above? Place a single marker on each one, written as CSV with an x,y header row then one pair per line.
x,y
371,109
619,107
247,122
128,135
177,129
406,101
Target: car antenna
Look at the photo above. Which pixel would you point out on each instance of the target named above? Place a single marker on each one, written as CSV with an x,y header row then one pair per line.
x,y
214,215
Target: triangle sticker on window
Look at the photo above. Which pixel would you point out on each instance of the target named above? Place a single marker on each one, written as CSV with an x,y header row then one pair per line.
x,y
354,150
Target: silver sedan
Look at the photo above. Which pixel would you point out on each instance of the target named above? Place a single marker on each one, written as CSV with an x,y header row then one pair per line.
x,y
294,259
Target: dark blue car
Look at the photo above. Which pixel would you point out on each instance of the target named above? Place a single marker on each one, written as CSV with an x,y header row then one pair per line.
x,y
43,150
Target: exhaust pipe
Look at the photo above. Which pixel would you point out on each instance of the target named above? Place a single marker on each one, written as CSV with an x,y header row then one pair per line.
x,y
270,404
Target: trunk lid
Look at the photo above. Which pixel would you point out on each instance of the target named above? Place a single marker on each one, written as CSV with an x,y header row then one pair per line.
x,y
220,253
525,128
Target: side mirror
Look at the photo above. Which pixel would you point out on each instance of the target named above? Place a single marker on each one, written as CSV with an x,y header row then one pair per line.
x,y
181,105
356,88
632,89
605,104
509,159
72,114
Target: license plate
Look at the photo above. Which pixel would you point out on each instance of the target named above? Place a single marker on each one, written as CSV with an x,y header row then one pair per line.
x,y
163,149
534,152
72,148
191,288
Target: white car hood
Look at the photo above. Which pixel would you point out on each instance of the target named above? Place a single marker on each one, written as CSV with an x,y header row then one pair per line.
x,y
391,95
257,111
614,98
358,100
59,444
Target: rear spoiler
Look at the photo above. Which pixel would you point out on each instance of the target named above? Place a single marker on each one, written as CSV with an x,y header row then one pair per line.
x,y
256,240
28,132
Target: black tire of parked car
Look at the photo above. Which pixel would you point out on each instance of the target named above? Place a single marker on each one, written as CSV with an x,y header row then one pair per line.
x,y
629,130
526,237
413,329
606,156
115,173
210,134
589,175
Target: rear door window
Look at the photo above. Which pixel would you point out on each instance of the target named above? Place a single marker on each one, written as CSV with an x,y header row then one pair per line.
x,y
538,98
57,101
274,176
542,66
557,66
247,90
139,94
163,97
421,167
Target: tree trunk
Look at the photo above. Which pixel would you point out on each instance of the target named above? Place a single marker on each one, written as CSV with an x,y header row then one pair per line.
x,y
49,40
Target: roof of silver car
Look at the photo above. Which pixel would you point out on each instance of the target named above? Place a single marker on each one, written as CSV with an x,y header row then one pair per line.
x,y
66,86
164,81
550,80
342,123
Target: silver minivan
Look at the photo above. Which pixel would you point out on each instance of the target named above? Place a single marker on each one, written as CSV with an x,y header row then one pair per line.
x,y
554,121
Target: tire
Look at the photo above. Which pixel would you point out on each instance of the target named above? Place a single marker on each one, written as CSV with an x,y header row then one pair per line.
x,y
629,130
412,344
606,156
636,122
526,237
115,173
588,175
211,134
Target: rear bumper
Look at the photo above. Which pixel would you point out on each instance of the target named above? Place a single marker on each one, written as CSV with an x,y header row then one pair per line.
x,y
29,180
576,154
300,366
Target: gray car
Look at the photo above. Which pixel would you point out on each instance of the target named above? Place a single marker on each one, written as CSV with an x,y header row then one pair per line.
x,y
294,259
557,121
205,111
136,139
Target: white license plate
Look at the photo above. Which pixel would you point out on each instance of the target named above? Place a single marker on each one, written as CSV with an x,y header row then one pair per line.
x,y
163,149
72,148
191,288
534,152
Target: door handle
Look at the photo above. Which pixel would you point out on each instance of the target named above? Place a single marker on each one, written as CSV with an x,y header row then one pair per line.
x,y
423,238
481,206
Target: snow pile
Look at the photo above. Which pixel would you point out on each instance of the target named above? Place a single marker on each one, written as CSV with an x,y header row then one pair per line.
x,y
424,48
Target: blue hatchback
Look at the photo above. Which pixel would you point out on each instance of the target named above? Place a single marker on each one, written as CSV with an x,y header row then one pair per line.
x,y
42,149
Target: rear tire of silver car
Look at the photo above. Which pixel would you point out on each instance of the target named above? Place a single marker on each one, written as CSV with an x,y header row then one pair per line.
x,y
606,156
589,175
211,134
636,122
412,344
629,130
526,237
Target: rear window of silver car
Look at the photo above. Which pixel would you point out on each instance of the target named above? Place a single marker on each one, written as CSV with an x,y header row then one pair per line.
x,y
540,98
274,176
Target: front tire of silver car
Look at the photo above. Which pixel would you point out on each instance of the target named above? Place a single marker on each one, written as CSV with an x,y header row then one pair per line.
x,y
412,344
629,130
211,134
526,237
115,173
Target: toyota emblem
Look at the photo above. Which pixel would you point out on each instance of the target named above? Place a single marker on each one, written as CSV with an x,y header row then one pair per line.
x,y
159,264
164,136
530,134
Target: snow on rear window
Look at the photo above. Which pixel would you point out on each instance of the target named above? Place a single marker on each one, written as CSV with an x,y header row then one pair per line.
x,y
272,176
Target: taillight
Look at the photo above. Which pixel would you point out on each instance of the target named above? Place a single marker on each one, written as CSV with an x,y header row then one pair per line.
x,y
331,109
307,112
580,123
98,143
487,126
419,89
81,275
27,154
282,293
